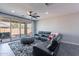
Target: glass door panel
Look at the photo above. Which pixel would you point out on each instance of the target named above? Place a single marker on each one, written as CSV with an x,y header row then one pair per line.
x,y
4,31
22,29
15,29
29,29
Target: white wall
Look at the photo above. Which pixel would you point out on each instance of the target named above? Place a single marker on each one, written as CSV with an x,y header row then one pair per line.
x,y
68,25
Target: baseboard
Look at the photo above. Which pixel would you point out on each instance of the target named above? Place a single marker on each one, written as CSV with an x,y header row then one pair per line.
x,y
69,42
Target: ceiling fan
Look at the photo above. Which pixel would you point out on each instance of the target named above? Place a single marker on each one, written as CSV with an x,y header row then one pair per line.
x,y
32,14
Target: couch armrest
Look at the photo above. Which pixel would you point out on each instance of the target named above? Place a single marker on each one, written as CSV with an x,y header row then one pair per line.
x,y
39,50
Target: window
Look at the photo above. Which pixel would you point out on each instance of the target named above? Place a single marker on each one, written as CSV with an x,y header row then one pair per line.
x,y
22,29
15,29
29,29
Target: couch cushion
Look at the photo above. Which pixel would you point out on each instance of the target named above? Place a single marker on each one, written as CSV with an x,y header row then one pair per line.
x,y
43,35
51,37
44,32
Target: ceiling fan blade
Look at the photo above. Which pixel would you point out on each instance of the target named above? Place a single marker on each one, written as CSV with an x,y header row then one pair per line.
x,y
46,3
35,16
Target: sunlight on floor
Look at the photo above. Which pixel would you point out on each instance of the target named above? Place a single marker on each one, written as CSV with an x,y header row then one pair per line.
x,y
5,50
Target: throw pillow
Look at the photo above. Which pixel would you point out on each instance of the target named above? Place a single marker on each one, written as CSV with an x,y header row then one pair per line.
x,y
51,37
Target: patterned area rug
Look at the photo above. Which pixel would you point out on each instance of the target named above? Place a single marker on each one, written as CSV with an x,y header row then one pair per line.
x,y
20,49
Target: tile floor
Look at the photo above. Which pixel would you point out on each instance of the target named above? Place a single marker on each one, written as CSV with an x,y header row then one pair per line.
x,y
5,50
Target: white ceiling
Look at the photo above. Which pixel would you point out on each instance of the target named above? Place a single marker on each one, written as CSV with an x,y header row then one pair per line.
x,y
53,9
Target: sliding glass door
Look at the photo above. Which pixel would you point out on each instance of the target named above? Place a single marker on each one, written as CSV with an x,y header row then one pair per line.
x,y
13,30
17,29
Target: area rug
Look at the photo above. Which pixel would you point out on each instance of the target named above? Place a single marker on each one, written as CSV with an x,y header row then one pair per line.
x,y
20,49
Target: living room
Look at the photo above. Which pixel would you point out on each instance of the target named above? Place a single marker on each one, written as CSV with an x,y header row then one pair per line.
x,y
26,27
